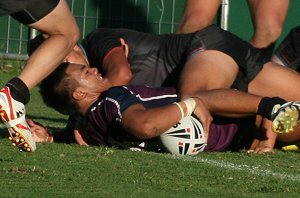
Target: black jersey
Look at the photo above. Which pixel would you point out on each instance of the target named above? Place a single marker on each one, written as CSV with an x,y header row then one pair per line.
x,y
104,119
157,60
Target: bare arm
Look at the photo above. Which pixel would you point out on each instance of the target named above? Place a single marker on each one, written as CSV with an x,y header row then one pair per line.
x,y
117,68
148,123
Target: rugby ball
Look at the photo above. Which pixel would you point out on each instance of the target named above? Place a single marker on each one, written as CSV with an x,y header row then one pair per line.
x,y
185,138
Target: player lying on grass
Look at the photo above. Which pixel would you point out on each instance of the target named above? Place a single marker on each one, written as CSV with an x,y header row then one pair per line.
x,y
125,116
219,57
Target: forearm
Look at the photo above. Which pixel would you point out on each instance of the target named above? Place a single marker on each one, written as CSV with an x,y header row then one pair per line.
x,y
149,123
117,68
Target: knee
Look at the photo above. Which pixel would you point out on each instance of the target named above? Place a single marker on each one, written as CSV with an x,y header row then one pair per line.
x,y
76,35
73,34
269,32
193,21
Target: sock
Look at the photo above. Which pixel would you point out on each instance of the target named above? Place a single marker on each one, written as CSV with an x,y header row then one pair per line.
x,y
18,90
267,104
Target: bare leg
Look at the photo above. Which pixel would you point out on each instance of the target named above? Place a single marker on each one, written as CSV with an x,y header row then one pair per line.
x,y
206,74
207,70
268,17
63,33
198,14
275,80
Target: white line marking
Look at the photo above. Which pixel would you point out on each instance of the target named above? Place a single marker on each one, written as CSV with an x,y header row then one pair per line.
x,y
255,170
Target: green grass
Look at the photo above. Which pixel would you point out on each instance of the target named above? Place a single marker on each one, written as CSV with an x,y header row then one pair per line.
x,y
61,170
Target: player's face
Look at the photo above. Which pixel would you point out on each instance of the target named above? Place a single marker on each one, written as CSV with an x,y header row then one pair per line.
x,y
89,79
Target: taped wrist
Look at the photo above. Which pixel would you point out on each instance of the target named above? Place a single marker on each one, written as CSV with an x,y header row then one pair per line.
x,y
181,110
190,105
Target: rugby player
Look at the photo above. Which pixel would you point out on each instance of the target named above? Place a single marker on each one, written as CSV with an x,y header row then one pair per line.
x,y
134,116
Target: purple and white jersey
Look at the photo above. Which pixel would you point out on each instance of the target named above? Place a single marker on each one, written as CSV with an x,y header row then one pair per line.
x,y
105,116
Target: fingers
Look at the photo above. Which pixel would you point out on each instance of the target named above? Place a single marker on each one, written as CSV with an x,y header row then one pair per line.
x,y
261,150
30,122
79,138
204,115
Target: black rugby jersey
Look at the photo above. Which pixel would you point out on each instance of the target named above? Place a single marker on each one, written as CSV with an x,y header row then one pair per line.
x,y
157,60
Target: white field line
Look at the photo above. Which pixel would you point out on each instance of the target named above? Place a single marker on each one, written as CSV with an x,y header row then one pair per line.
x,y
255,170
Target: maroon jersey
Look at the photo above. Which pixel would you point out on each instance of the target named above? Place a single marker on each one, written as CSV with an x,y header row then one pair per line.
x,y
105,115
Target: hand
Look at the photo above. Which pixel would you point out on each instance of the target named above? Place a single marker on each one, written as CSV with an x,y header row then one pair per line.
x,y
204,115
78,138
262,148
265,146
39,132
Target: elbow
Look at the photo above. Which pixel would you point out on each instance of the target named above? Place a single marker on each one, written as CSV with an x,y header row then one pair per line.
x,y
72,37
74,34
147,130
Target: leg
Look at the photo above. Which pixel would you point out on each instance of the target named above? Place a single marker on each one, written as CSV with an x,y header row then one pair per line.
x,y
206,74
198,14
268,18
63,33
60,27
275,80
207,70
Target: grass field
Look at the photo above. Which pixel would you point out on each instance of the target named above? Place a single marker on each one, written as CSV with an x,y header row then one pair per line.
x,y
61,170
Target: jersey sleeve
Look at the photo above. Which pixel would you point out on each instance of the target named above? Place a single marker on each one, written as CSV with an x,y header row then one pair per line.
x,y
106,114
122,97
99,43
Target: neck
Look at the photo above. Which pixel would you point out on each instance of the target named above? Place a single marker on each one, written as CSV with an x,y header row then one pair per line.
x,y
90,99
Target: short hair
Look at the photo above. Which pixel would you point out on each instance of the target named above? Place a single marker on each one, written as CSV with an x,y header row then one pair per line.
x,y
34,43
57,90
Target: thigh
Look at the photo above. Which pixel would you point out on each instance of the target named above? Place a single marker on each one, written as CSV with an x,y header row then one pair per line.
x,y
34,11
207,70
58,21
276,80
208,8
198,14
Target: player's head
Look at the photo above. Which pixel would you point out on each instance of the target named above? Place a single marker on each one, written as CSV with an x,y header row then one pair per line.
x,y
56,90
70,85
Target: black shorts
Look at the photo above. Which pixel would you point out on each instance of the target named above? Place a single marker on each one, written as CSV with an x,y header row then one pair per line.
x,y
27,11
249,59
289,49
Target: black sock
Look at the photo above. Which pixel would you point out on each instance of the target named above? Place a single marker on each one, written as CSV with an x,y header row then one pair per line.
x,y
267,104
18,90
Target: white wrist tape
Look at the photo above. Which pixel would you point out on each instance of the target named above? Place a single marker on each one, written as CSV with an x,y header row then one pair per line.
x,y
190,106
180,108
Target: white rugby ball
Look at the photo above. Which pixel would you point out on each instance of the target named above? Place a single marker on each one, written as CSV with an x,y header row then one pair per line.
x,y
185,138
